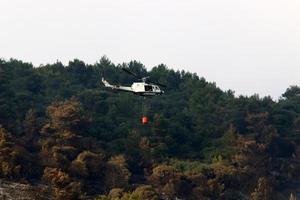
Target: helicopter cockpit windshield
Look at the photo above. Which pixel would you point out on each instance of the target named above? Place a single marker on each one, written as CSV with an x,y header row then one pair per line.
x,y
148,88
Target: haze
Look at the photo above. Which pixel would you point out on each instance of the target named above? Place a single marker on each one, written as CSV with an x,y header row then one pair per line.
x,y
247,46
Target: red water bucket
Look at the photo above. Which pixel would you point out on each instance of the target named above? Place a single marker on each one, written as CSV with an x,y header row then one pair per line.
x,y
144,120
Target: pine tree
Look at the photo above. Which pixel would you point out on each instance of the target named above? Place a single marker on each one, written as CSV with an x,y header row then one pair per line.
x,y
263,190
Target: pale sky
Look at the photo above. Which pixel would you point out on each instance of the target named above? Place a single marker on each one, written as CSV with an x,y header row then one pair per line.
x,y
249,46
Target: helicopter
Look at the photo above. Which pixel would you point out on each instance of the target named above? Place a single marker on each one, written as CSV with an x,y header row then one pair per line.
x,y
143,87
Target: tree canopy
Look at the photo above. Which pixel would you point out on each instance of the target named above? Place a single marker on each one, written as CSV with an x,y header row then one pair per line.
x,y
60,126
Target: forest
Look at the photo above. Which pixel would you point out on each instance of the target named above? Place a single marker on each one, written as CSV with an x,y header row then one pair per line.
x,y
60,128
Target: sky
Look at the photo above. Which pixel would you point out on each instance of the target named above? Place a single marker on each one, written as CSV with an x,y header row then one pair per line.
x,y
248,46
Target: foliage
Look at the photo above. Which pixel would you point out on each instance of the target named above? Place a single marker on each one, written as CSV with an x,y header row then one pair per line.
x,y
61,127
263,190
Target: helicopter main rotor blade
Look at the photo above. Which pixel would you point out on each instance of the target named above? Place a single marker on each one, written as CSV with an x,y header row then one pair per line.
x,y
144,79
157,83
130,72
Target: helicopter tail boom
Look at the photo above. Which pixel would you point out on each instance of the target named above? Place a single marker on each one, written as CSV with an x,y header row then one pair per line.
x,y
116,87
106,84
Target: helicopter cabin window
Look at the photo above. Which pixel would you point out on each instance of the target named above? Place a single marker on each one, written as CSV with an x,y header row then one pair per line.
x,y
148,88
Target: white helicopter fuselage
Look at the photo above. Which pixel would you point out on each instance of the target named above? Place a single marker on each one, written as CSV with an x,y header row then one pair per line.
x,y
146,89
138,88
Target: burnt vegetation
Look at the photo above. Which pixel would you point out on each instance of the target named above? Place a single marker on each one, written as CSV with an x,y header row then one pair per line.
x,y
61,128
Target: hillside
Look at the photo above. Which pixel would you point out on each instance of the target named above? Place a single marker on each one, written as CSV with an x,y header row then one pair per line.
x,y
61,129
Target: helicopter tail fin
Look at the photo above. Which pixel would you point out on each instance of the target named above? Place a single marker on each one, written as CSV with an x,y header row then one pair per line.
x,y
106,84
